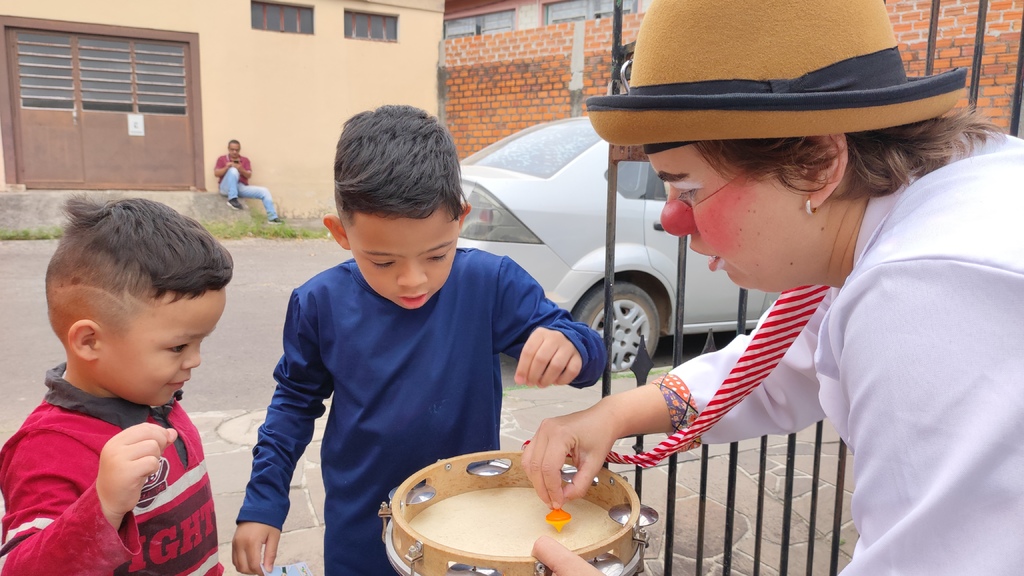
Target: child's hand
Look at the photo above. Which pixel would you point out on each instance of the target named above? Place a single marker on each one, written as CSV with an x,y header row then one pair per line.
x,y
560,560
548,358
254,547
126,461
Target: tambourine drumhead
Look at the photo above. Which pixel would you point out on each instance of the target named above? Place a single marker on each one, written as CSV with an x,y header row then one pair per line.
x,y
507,521
480,510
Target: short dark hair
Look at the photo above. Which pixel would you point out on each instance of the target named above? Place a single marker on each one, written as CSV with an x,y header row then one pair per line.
x,y
881,161
230,142
397,161
132,248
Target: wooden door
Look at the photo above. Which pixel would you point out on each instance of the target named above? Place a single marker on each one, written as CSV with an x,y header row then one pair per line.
x,y
101,112
50,143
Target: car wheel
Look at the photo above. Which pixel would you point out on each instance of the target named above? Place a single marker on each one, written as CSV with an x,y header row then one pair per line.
x,y
635,315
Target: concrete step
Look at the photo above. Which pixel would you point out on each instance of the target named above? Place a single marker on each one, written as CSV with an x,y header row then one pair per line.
x,y
41,209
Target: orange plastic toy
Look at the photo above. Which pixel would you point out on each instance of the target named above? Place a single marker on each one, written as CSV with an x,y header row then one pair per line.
x,y
558,518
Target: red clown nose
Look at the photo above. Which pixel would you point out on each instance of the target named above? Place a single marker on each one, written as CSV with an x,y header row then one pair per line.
x,y
677,218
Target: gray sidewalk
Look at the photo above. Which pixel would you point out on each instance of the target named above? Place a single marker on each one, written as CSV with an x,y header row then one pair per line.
x,y
229,436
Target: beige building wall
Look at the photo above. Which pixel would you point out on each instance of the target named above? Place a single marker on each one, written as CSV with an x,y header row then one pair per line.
x,y
284,96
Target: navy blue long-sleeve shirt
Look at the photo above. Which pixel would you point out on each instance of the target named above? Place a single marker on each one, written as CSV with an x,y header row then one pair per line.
x,y
409,387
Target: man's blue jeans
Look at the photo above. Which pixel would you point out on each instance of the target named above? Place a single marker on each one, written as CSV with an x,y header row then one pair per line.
x,y
232,188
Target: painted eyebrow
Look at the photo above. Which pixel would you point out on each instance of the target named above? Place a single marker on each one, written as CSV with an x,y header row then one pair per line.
x,y
435,248
669,177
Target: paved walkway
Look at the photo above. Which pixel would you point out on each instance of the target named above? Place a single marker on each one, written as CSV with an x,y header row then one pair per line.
x,y
229,436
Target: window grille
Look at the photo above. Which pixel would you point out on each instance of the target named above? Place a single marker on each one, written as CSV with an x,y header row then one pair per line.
x,y
492,23
45,71
112,74
364,26
571,10
282,18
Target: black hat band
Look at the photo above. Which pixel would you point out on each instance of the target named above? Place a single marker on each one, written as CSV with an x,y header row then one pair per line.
x,y
882,69
875,79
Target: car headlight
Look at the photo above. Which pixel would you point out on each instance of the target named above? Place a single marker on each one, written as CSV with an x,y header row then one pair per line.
x,y
491,221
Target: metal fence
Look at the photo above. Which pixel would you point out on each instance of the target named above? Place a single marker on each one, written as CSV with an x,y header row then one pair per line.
x,y
774,505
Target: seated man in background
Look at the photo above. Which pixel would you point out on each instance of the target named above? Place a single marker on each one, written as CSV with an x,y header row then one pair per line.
x,y
233,172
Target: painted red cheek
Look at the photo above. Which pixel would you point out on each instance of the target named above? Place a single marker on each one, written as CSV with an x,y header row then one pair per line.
x,y
677,218
718,219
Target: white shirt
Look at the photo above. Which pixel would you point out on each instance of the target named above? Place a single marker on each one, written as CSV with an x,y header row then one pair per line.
x,y
918,362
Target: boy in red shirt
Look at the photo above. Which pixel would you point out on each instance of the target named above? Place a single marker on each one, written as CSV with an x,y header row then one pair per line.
x,y
107,475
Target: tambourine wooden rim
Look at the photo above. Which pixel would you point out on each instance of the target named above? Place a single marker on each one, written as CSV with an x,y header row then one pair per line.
x,y
451,477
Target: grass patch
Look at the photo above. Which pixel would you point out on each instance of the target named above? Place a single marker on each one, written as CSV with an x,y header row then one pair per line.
x,y
258,227
50,233
513,388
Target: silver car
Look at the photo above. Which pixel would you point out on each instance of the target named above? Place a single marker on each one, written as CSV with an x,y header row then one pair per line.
x,y
539,197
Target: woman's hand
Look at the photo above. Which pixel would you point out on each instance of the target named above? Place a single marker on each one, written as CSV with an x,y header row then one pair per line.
x,y
587,437
584,436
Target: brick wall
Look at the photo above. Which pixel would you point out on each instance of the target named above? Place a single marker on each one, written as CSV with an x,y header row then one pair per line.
x,y
954,46
497,84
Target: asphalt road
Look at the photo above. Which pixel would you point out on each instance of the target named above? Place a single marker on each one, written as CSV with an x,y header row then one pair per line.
x,y
238,358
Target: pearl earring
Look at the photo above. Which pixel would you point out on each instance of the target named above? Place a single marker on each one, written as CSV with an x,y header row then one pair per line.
x,y
809,209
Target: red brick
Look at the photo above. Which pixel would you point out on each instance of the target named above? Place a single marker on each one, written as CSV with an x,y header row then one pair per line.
x,y
502,83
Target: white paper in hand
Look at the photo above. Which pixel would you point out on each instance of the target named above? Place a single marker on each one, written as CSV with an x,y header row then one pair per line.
x,y
299,569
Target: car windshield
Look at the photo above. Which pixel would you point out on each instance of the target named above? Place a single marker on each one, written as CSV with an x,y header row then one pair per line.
x,y
540,152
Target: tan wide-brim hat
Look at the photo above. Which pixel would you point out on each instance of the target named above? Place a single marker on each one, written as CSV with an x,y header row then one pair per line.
x,y
726,69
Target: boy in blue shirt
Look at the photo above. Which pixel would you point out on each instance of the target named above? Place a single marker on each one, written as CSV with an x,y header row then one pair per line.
x,y
405,336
